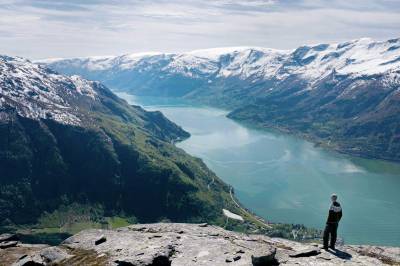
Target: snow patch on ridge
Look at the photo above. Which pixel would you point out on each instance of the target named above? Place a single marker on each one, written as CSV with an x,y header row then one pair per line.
x,y
35,92
356,58
231,215
84,87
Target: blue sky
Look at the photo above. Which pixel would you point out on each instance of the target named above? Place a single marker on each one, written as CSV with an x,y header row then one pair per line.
x,y
69,28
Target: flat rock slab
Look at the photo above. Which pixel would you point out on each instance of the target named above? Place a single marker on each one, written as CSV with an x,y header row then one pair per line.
x,y
174,244
203,244
166,244
391,255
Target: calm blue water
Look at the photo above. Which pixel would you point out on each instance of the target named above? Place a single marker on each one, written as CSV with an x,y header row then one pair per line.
x,y
286,179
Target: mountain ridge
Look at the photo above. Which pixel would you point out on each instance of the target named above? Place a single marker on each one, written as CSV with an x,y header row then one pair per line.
x,y
327,51
342,96
65,140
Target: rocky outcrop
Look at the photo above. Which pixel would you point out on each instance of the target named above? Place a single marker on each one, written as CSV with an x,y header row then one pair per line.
x,y
8,237
11,250
191,244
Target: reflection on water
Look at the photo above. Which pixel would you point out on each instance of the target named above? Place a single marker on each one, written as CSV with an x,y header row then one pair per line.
x,y
286,179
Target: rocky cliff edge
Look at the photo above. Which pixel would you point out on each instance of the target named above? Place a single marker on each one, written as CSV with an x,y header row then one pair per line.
x,y
186,244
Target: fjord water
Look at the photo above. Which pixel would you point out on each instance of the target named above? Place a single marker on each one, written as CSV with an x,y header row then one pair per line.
x,y
286,179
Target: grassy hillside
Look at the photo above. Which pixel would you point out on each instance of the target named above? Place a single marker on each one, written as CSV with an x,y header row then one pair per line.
x,y
108,154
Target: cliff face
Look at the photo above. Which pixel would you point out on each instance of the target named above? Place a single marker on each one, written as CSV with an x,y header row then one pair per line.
x,y
188,244
66,140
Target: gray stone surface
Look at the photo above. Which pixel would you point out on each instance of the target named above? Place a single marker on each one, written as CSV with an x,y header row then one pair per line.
x,y
181,244
8,244
389,254
14,254
53,255
166,244
44,256
35,260
8,237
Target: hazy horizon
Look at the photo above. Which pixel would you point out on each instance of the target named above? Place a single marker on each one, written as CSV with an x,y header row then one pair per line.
x,y
53,29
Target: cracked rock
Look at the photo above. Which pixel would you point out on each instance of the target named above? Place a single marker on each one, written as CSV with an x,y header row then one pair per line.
x,y
100,240
8,244
53,255
198,246
308,252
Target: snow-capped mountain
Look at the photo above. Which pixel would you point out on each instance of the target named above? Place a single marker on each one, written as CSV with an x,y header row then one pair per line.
x,y
67,140
345,96
36,92
141,72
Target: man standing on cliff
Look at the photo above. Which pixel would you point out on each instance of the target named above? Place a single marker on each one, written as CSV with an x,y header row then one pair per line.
x,y
335,214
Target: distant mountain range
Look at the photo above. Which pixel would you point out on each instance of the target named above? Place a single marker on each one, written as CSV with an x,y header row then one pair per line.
x,y
67,140
343,96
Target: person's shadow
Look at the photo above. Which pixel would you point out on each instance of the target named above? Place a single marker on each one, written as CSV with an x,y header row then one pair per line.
x,y
340,254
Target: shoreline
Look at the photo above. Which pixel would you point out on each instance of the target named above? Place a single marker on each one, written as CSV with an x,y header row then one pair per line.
x,y
369,167
311,139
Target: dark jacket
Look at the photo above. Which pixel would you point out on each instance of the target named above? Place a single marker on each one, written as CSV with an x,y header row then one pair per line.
x,y
335,213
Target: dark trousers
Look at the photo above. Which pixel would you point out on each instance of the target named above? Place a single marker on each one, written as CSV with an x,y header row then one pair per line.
x,y
330,229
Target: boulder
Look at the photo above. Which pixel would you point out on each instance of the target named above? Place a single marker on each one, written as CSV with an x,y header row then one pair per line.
x,y
45,256
30,261
8,244
100,240
264,257
53,255
307,252
8,237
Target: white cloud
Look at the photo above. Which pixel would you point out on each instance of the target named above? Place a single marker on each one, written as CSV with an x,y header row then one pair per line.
x,y
47,28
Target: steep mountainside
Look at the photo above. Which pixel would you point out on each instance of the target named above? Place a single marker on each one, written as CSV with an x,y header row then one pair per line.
x,y
344,96
67,140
